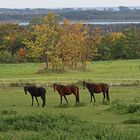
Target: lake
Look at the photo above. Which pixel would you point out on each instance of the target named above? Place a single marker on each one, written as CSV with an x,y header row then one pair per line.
x,y
96,22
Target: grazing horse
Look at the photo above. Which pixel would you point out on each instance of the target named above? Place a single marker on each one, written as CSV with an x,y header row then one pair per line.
x,y
36,92
67,90
97,88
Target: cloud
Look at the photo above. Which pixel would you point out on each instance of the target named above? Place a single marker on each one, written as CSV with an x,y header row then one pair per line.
x,y
66,3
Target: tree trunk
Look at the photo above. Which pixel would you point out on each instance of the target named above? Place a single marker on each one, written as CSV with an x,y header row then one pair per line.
x,y
47,63
84,64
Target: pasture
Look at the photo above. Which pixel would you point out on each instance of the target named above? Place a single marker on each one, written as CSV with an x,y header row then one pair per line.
x,y
120,119
121,72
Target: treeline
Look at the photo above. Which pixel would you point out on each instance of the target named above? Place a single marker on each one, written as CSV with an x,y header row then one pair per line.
x,y
106,28
107,14
119,45
66,46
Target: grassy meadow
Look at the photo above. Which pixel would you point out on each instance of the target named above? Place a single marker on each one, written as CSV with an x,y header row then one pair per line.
x,y
113,72
118,120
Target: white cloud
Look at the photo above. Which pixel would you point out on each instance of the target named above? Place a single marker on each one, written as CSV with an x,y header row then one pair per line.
x,y
65,3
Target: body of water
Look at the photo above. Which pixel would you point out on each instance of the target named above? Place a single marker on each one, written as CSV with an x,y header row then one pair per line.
x,y
96,22
111,22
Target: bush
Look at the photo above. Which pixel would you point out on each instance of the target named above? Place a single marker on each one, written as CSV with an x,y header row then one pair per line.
x,y
61,127
133,108
124,108
132,121
8,112
6,57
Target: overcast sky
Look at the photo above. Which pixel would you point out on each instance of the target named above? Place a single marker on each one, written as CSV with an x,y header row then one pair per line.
x,y
66,3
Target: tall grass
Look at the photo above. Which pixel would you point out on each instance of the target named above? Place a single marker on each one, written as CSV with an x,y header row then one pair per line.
x,y
124,108
61,127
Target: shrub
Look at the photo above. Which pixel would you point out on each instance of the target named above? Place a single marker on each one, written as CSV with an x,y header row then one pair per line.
x,y
132,121
124,108
45,126
133,108
6,57
8,112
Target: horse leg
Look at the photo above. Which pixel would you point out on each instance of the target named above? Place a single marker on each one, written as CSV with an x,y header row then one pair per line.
x,y
61,99
44,101
107,95
37,101
91,97
76,99
103,97
66,99
32,100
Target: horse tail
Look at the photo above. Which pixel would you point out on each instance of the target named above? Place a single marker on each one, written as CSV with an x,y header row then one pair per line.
x,y
107,94
77,96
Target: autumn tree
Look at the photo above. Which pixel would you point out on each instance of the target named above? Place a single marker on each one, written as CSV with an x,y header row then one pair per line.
x,y
20,55
44,40
89,49
77,44
70,44
11,37
62,46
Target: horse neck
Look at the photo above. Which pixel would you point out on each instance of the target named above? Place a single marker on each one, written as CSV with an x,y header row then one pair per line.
x,y
31,89
58,87
88,85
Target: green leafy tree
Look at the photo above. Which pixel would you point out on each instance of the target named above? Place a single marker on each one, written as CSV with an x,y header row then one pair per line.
x,y
132,43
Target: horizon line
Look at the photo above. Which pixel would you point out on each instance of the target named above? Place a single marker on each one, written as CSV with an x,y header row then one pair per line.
x,y
65,7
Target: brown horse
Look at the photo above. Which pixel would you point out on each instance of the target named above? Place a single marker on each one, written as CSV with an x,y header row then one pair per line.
x,y
64,90
97,88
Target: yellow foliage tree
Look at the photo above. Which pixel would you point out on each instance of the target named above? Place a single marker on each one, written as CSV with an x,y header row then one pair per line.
x,y
62,46
45,40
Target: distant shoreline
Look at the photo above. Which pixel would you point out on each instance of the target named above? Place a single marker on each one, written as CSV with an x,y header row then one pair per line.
x,y
89,22
96,22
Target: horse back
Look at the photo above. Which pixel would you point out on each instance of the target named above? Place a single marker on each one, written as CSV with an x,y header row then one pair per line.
x,y
99,87
67,90
41,91
103,87
74,89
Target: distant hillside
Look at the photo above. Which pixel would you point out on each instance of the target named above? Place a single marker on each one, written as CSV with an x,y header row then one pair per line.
x,y
97,13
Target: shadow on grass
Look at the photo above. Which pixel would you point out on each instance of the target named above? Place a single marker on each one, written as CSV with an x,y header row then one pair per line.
x,y
105,103
81,104
8,112
13,105
63,106
132,121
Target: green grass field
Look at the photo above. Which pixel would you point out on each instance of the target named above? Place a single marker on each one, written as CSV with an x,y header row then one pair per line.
x,y
118,120
113,72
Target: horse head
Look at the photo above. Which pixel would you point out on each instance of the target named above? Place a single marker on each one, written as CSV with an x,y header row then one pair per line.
x,y
25,90
54,87
84,84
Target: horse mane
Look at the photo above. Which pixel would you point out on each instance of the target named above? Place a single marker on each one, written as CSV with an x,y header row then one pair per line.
x,y
90,84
